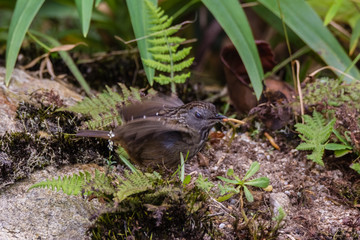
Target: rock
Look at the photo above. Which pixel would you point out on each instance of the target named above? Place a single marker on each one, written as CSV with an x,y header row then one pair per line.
x,y
278,200
22,85
43,213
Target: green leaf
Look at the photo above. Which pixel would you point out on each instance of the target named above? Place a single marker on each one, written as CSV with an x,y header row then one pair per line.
x,y
355,35
261,182
228,180
141,25
356,167
128,164
97,2
24,13
84,8
315,134
281,215
225,197
187,179
233,20
340,153
338,135
248,195
255,166
303,20
336,146
332,11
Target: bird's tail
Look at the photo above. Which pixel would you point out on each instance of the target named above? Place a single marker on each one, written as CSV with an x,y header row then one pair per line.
x,y
93,133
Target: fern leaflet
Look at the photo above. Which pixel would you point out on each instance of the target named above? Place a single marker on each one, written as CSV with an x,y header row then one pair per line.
x,y
315,134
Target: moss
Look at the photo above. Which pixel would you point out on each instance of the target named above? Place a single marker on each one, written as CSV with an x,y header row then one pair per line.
x,y
46,140
159,215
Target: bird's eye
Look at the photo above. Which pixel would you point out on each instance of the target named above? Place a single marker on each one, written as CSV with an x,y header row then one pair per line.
x,y
198,115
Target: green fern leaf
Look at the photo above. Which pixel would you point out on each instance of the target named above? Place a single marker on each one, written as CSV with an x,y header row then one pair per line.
x,y
315,134
71,185
133,183
103,108
165,57
101,184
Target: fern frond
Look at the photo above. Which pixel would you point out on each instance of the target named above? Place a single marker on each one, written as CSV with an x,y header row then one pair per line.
x,y
315,132
164,47
99,185
103,109
133,183
71,185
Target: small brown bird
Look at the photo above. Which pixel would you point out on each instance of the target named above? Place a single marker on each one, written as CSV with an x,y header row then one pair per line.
x,y
157,130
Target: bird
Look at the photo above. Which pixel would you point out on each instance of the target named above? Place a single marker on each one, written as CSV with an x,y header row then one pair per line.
x,y
157,130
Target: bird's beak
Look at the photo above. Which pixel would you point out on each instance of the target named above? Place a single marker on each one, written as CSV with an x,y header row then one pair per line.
x,y
221,117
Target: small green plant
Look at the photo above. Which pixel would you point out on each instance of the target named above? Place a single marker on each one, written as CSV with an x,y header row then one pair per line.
x,y
204,183
356,167
142,203
70,185
237,185
340,149
164,48
315,133
129,184
104,108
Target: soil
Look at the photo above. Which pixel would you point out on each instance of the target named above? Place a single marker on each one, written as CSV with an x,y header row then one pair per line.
x,y
320,204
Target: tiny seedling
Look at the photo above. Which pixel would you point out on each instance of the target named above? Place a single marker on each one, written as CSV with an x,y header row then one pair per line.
x,y
237,185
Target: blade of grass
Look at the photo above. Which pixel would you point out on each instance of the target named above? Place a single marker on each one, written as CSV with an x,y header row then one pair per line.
x,y
141,25
355,35
84,8
128,164
24,13
233,20
332,11
303,20
67,59
97,2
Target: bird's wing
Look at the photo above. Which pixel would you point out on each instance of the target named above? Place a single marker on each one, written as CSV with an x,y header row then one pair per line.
x,y
149,141
148,127
149,107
